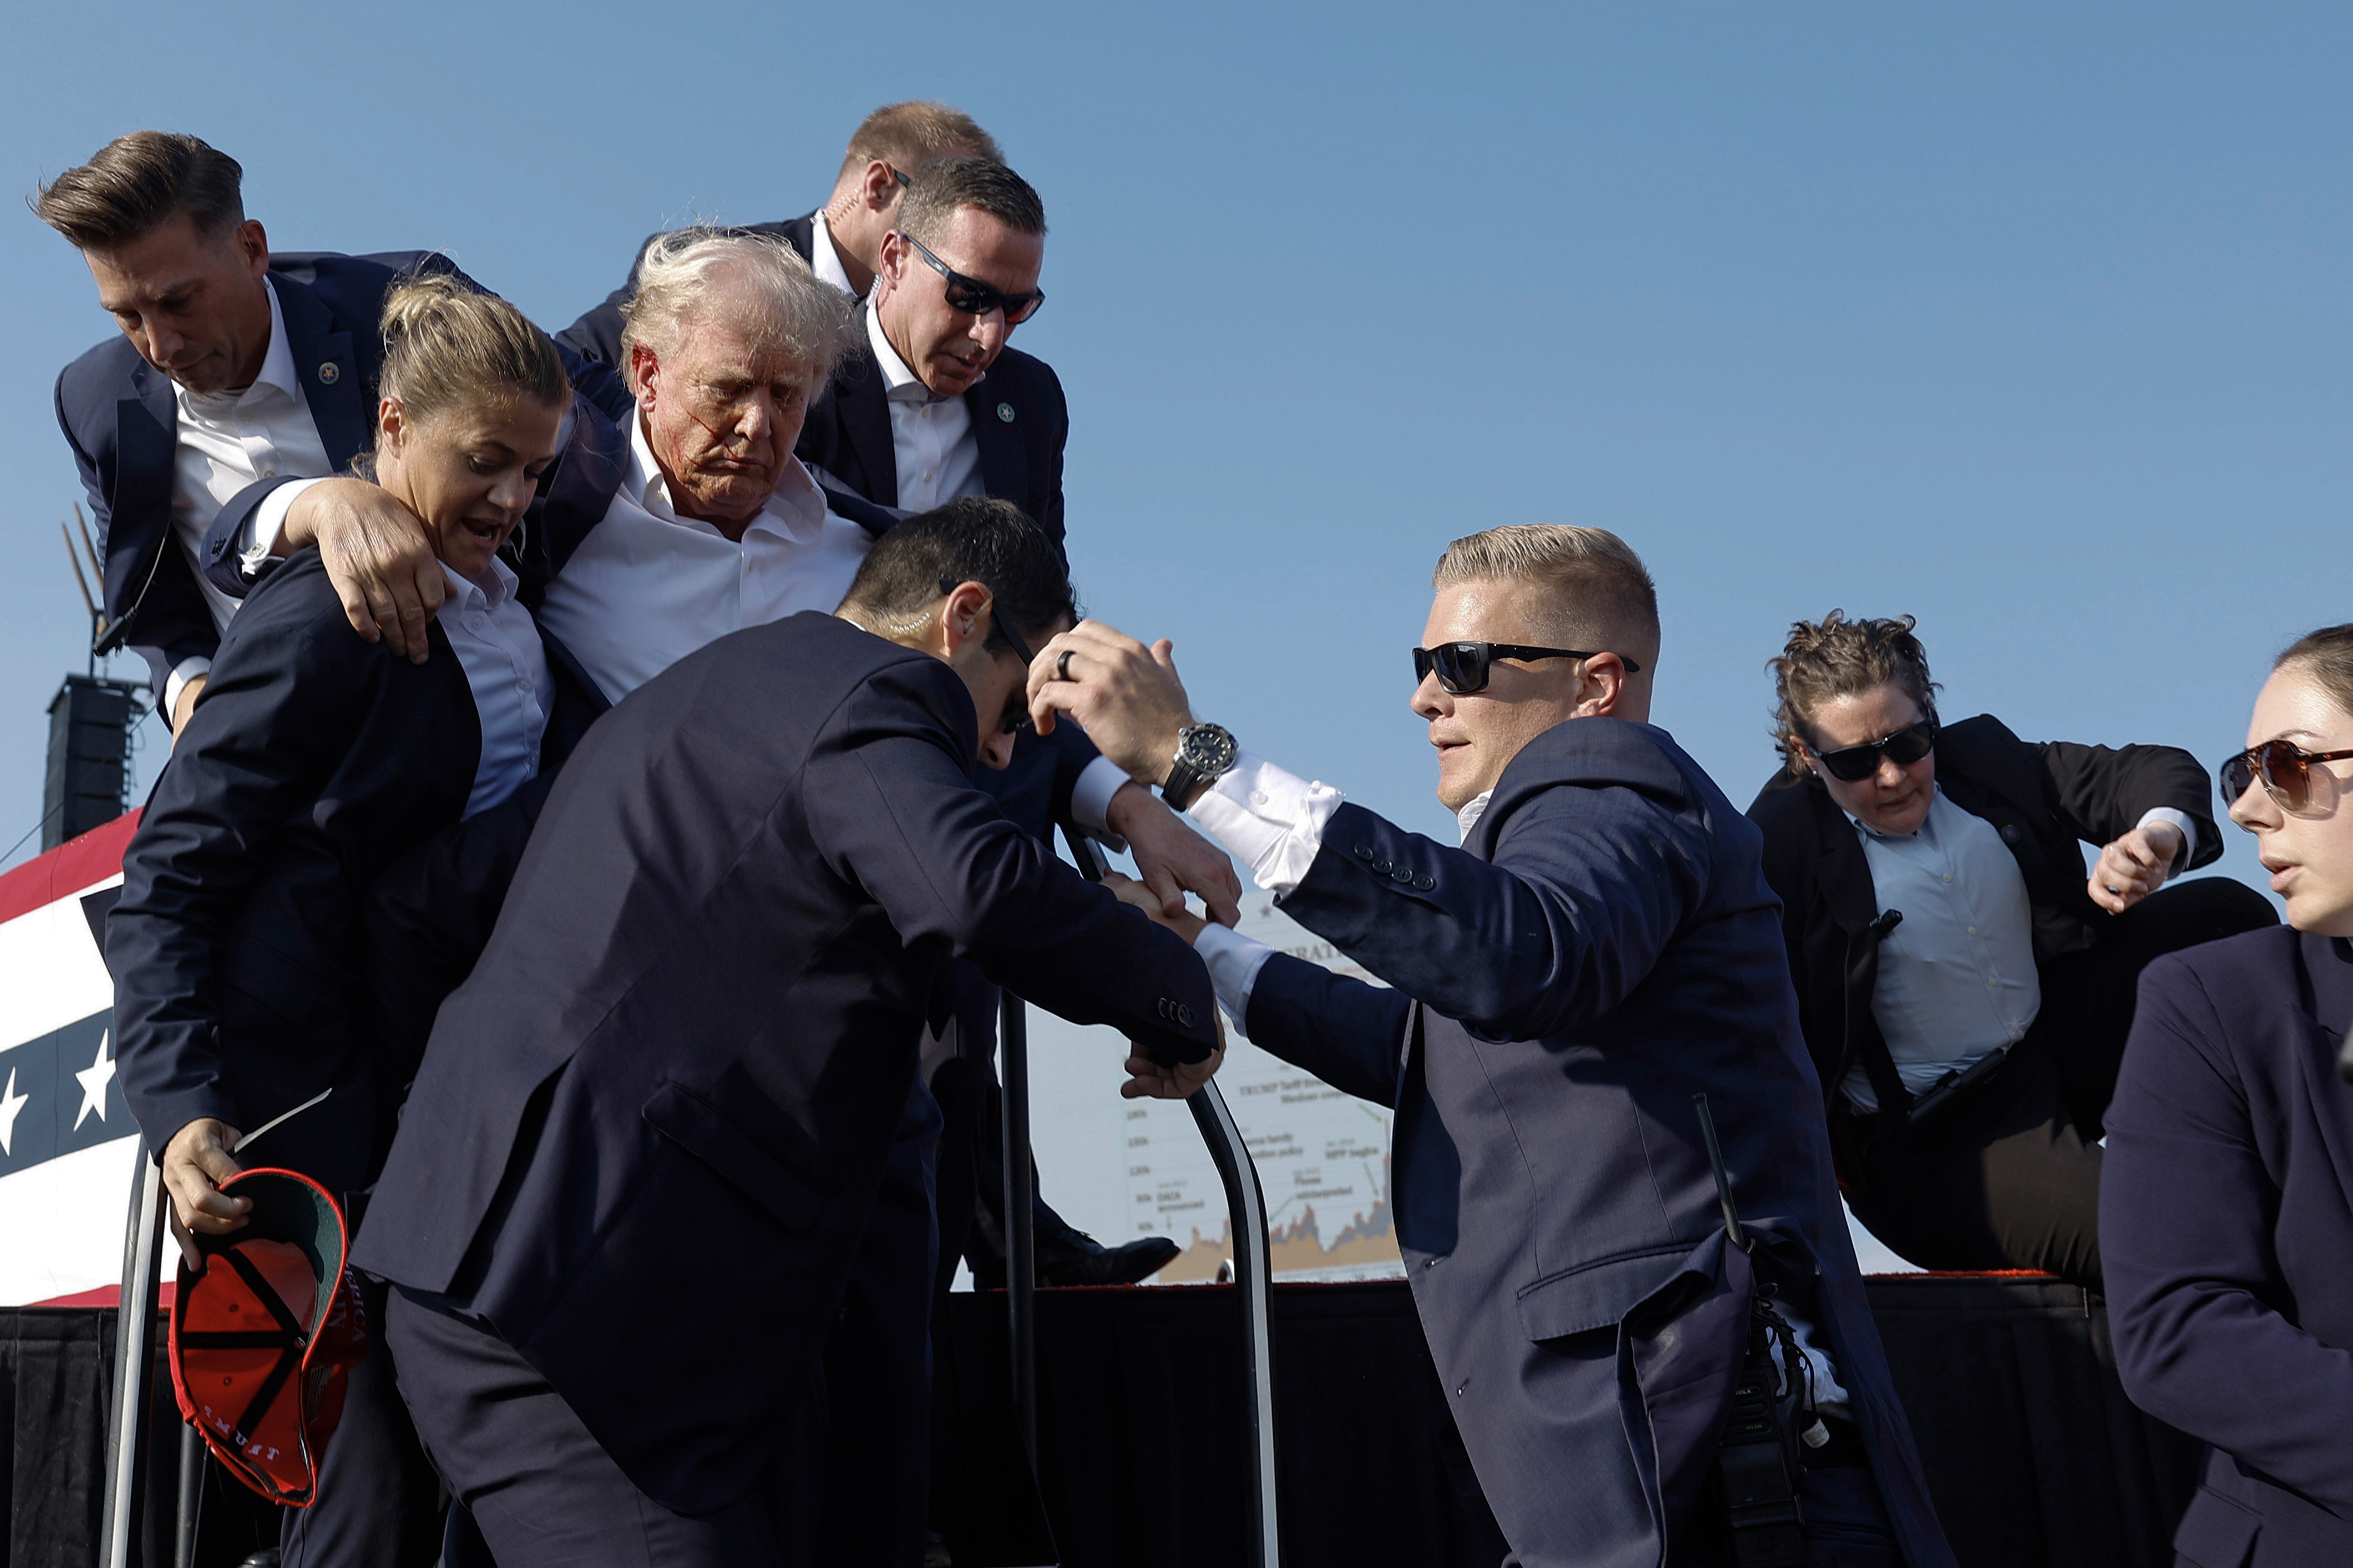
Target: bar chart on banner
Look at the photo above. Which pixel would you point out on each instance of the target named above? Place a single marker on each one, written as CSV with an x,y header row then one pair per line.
x,y
1123,1169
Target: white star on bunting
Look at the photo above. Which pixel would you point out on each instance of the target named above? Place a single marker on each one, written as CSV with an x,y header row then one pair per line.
x,y
93,1079
11,1102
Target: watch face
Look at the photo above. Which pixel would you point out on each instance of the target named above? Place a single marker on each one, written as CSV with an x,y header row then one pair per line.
x,y
1206,748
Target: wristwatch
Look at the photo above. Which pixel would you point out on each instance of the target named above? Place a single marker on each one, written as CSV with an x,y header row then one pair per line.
x,y
1205,753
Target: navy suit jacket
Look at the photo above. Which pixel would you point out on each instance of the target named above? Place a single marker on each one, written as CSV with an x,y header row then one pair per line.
x,y
1020,423
649,1127
596,335
120,417
2226,1227
311,762
1601,948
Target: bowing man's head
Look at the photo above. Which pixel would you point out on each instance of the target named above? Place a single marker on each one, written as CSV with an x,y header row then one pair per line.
x,y
160,219
469,409
978,585
960,271
1577,617
2292,786
728,338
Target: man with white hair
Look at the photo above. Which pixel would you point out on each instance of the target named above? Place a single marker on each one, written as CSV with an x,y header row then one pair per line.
x,y
709,525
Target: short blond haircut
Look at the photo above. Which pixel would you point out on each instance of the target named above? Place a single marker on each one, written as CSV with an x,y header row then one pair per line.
x,y
1596,584
908,135
756,282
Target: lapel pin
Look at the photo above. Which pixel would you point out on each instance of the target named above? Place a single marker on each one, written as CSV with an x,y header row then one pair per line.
x,y
1005,411
328,373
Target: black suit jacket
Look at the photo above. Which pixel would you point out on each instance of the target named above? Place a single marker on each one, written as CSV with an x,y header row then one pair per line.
x,y
596,335
2225,1224
2047,800
313,759
649,1127
120,418
1020,420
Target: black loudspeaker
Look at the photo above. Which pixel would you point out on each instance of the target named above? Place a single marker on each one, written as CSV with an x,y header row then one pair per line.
x,y
90,756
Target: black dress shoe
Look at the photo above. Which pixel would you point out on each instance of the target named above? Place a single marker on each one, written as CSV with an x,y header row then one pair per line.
x,y
1075,1258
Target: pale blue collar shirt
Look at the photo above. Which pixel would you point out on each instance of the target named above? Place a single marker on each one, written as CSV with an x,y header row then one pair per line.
x,y
1957,976
506,668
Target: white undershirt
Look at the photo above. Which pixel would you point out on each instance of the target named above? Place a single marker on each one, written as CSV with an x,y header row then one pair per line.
x,y
506,668
228,440
931,438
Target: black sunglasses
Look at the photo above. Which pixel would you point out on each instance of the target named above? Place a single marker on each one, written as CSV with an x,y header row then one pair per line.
x,y
1462,666
1853,765
2285,767
975,298
1015,717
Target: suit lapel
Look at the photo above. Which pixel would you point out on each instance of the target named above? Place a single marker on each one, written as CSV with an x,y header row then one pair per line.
x,y
339,398
863,406
146,437
1004,456
1843,872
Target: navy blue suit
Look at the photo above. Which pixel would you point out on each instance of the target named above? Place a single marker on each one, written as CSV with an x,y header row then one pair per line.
x,y
1603,947
650,1126
2228,1229
120,415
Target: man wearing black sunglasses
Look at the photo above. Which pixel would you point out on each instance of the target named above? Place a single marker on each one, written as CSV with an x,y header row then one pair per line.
x,y
1964,988
842,240
1600,950
931,404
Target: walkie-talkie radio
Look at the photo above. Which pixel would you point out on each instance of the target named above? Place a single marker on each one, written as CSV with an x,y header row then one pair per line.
x,y
1759,1459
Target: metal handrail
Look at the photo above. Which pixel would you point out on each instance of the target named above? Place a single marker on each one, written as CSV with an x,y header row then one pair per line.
x,y
1254,1278
134,1343
1246,1219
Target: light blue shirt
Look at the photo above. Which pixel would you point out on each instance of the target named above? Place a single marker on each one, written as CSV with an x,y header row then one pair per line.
x,y
505,663
1957,977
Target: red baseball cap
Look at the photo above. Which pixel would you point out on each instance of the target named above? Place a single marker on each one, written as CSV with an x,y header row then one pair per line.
x,y
263,1336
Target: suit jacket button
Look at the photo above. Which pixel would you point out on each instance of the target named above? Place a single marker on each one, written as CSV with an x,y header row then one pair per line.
x,y
1382,867
1424,882
1402,873
1183,1015
1163,1007
1364,851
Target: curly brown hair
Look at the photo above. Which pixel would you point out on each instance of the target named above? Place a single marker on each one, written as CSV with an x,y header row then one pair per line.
x,y
1835,657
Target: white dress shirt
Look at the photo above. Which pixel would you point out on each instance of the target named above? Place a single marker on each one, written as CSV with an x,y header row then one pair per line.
x,y
506,667
1274,820
932,441
824,260
647,586
228,440
1957,976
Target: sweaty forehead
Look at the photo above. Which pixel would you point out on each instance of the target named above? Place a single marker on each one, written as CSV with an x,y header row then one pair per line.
x,y
741,344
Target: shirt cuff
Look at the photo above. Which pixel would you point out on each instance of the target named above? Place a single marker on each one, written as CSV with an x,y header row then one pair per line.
x,y
1091,800
1233,961
187,669
1270,818
259,540
2184,821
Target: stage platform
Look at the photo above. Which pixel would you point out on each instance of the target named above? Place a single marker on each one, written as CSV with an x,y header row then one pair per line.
x,y
2035,1457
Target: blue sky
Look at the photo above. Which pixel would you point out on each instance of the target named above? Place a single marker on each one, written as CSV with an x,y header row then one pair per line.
x,y
2033,325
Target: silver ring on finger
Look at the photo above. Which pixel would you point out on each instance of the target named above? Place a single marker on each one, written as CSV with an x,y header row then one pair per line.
x,y
1062,666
